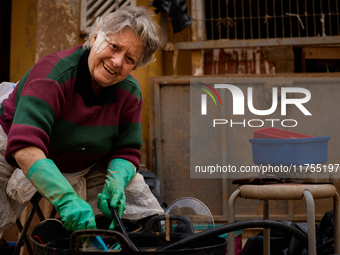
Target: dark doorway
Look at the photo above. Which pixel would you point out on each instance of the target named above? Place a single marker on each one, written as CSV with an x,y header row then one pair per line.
x,y
5,35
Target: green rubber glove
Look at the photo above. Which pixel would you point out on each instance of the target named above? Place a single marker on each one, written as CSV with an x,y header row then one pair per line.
x,y
76,214
119,174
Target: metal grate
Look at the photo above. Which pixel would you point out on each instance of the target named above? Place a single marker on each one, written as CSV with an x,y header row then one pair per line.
x,y
91,9
260,19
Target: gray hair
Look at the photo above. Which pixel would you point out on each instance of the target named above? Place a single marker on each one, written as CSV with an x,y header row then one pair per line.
x,y
139,19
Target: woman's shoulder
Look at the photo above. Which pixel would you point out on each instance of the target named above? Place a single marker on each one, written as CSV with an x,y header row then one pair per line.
x,y
131,84
60,65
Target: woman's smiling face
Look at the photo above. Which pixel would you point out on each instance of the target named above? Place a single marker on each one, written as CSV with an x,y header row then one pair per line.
x,y
116,61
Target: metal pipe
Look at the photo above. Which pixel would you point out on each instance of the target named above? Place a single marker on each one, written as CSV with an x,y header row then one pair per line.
x,y
231,219
310,222
266,231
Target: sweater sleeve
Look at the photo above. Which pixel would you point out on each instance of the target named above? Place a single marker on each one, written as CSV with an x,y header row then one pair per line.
x,y
38,102
129,141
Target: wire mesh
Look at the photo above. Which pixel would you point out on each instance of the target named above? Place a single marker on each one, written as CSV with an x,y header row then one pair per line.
x,y
261,19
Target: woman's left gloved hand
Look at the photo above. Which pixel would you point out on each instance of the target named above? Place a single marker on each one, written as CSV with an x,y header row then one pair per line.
x,y
119,174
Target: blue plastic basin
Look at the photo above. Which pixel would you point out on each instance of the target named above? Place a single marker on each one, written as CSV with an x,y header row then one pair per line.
x,y
290,151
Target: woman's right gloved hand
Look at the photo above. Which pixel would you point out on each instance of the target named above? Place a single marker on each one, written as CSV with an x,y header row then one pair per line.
x,y
76,214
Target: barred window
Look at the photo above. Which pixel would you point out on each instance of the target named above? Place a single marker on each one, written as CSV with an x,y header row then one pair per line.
x,y
91,9
261,19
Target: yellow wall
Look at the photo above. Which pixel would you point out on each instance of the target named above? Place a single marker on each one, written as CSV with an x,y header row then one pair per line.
x,y
142,75
23,37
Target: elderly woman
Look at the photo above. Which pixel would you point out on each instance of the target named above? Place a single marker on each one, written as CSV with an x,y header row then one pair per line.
x,y
75,111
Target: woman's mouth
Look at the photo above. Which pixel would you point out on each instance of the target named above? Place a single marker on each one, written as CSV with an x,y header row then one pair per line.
x,y
108,69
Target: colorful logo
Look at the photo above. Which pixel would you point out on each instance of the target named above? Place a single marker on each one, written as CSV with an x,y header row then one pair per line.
x,y
204,97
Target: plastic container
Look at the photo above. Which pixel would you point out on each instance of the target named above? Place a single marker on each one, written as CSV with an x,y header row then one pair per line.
x,y
290,151
276,133
9,249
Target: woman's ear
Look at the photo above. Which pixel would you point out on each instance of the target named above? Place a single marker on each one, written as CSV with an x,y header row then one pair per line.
x,y
93,40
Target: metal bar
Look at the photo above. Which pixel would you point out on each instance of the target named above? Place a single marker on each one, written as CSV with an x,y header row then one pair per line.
x,y
314,18
35,202
310,222
306,18
227,19
274,17
290,20
266,231
211,20
53,212
251,20
283,20
337,13
322,19
23,230
243,25
235,20
336,216
225,43
298,18
231,219
259,18
330,18
219,20
267,20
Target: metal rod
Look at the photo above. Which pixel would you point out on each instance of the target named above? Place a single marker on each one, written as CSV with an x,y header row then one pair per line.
x,y
243,25
35,202
227,19
211,20
306,18
310,222
267,20
283,20
336,215
337,16
219,20
274,17
235,20
23,231
266,231
290,20
314,19
330,18
259,19
299,19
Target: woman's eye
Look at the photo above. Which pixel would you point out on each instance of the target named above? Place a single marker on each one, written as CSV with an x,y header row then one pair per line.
x,y
114,46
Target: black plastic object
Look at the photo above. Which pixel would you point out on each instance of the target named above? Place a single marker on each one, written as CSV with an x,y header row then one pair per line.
x,y
55,239
214,232
67,245
8,250
147,239
177,10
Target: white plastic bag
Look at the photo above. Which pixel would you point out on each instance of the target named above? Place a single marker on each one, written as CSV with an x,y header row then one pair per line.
x,y
140,202
19,188
6,88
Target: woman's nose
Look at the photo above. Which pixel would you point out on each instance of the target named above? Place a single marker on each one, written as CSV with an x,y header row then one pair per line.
x,y
117,59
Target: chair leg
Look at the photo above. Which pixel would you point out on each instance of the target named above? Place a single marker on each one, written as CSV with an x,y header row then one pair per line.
x,y
310,222
336,213
231,219
266,231
23,237
35,202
